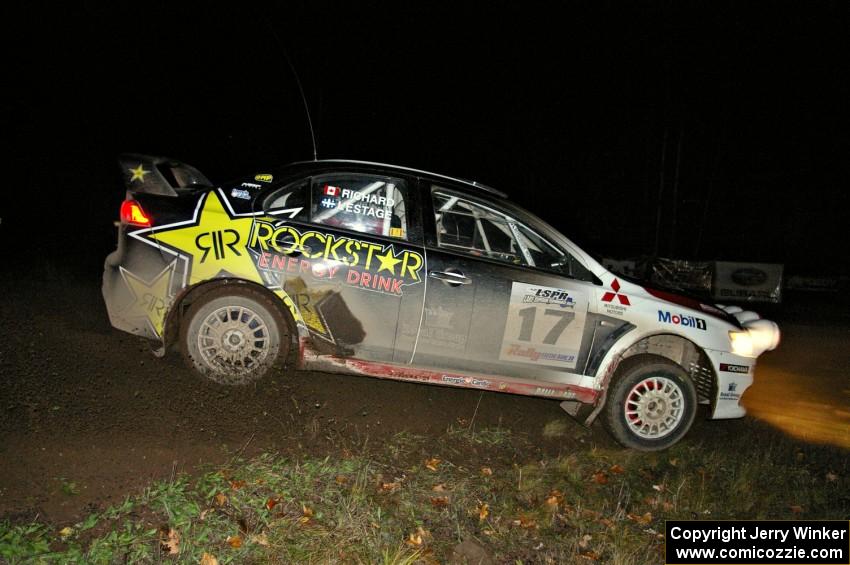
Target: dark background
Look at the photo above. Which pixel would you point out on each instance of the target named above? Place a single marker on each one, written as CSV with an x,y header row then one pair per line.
x,y
576,113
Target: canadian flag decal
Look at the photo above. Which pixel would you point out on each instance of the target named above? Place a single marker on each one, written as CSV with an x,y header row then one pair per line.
x,y
609,296
331,190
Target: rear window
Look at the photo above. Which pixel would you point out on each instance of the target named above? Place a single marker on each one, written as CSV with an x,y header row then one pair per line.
x,y
363,203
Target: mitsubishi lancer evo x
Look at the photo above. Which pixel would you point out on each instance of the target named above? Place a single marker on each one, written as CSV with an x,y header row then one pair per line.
x,y
384,271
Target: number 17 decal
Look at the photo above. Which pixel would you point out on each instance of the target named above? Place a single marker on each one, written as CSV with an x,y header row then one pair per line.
x,y
544,326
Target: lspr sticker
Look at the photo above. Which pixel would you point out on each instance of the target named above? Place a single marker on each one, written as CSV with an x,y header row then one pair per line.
x,y
545,325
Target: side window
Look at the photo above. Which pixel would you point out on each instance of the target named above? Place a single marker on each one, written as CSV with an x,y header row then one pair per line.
x,y
291,196
476,229
363,203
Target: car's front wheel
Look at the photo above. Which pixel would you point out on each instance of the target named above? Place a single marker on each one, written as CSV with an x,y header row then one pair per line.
x,y
651,403
234,335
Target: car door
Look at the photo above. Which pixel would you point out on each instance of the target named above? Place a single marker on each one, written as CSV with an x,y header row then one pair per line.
x,y
352,261
496,302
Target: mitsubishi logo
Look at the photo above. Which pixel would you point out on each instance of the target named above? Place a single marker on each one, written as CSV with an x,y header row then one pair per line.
x,y
609,296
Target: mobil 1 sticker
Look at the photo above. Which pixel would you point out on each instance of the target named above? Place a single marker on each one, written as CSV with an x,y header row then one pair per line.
x,y
544,326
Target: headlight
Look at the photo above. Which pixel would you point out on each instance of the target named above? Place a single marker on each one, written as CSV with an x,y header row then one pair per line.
x,y
742,343
765,335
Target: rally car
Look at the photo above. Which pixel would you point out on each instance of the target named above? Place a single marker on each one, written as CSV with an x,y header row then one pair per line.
x,y
391,272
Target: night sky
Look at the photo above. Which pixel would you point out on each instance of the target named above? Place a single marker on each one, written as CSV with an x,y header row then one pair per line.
x,y
571,113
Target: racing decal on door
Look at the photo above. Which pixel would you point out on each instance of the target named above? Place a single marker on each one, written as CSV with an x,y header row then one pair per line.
x,y
545,325
325,313
286,251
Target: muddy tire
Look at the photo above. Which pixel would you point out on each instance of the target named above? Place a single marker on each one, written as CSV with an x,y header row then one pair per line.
x,y
651,403
234,335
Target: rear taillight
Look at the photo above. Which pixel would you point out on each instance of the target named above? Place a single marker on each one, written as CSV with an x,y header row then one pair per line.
x,y
132,213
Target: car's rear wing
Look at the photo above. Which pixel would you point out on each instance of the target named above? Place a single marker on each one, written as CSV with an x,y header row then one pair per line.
x,y
160,175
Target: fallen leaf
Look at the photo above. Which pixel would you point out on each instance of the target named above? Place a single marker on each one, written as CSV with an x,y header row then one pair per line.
x,y
796,509
417,538
589,555
487,471
260,539
606,522
204,513
432,463
659,488
306,515
208,559
600,478
831,477
462,422
390,487
667,506
66,532
341,480
440,488
483,511
271,503
525,521
555,498
234,541
236,485
169,540
220,499
584,542
617,470
674,462
592,514
642,520
439,501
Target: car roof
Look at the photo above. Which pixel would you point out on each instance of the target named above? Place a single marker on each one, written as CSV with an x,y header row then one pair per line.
x,y
326,163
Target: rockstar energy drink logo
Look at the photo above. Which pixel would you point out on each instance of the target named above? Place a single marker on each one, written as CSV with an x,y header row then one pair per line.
x,y
220,242
354,253
367,265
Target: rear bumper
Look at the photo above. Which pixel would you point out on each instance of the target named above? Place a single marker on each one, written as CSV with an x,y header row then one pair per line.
x,y
120,301
127,273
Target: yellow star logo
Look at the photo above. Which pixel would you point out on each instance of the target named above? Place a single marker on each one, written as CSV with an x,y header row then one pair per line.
x,y
213,242
388,261
138,173
150,298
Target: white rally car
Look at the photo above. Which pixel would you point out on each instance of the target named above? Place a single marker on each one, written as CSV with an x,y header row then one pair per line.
x,y
384,271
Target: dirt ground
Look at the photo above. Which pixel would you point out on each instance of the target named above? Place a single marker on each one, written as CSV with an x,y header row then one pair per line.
x,y
88,415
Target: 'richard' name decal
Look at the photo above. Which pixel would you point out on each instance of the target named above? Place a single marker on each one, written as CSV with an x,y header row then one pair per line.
x,y
681,320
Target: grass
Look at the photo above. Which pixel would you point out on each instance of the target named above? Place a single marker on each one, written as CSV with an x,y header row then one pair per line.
x,y
414,499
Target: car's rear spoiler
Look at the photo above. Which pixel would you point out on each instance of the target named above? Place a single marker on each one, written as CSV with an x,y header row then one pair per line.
x,y
160,175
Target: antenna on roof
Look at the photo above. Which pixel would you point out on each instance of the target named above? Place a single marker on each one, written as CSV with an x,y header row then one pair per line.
x,y
300,88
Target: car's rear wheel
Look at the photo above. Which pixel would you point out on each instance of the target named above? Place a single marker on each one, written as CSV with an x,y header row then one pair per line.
x,y
234,335
651,403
